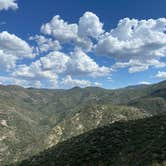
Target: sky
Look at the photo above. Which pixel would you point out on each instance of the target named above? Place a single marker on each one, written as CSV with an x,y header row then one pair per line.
x,y
67,43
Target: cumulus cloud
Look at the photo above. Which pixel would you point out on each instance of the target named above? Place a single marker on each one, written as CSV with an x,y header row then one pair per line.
x,y
77,63
60,29
81,64
56,63
133,65
12,49
14,45
136,44
7,61
8,4
8,80
161,75
34,75
66,51
135,40
144,83
69,82
46,44
45,70
90,25
65,33
76,33
137,65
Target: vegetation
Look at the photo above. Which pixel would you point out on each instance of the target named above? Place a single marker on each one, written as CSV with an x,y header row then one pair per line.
x,y
132,143
31,120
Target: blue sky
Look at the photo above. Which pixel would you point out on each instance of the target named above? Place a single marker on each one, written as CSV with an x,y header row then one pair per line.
x,y
61,44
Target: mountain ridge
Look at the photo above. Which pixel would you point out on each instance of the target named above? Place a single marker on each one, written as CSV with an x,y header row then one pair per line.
x,y
34,113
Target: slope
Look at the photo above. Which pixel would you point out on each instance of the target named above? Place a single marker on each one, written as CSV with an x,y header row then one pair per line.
x,y
133,143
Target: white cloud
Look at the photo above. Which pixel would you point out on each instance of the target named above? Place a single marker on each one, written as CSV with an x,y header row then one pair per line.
x,y
76,33
7,61
77,63
46,44
133,65
144,83
136,40
57,64
45,70
8,4
33,75
137,65
81,64
56,61
161,75
97,84
60,29
90,25
11,44
68,82
8,80
12,49
136,44
156,63
133,44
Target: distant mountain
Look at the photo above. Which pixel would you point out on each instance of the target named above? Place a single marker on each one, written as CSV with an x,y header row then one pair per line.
x,y
139,86
154,101
132,143
32,120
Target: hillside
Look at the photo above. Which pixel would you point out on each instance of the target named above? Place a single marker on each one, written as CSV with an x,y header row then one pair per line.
x,y
57,115
133,143
91,117
154,100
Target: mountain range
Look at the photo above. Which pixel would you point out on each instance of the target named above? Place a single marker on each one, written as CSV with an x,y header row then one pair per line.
x,y
62,121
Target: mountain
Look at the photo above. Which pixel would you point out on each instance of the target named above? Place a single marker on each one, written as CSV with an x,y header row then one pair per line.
x,y
132,143
154,100
31,120
139,86
91,117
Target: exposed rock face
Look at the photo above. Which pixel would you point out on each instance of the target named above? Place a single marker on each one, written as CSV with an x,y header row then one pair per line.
x,y
4,123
